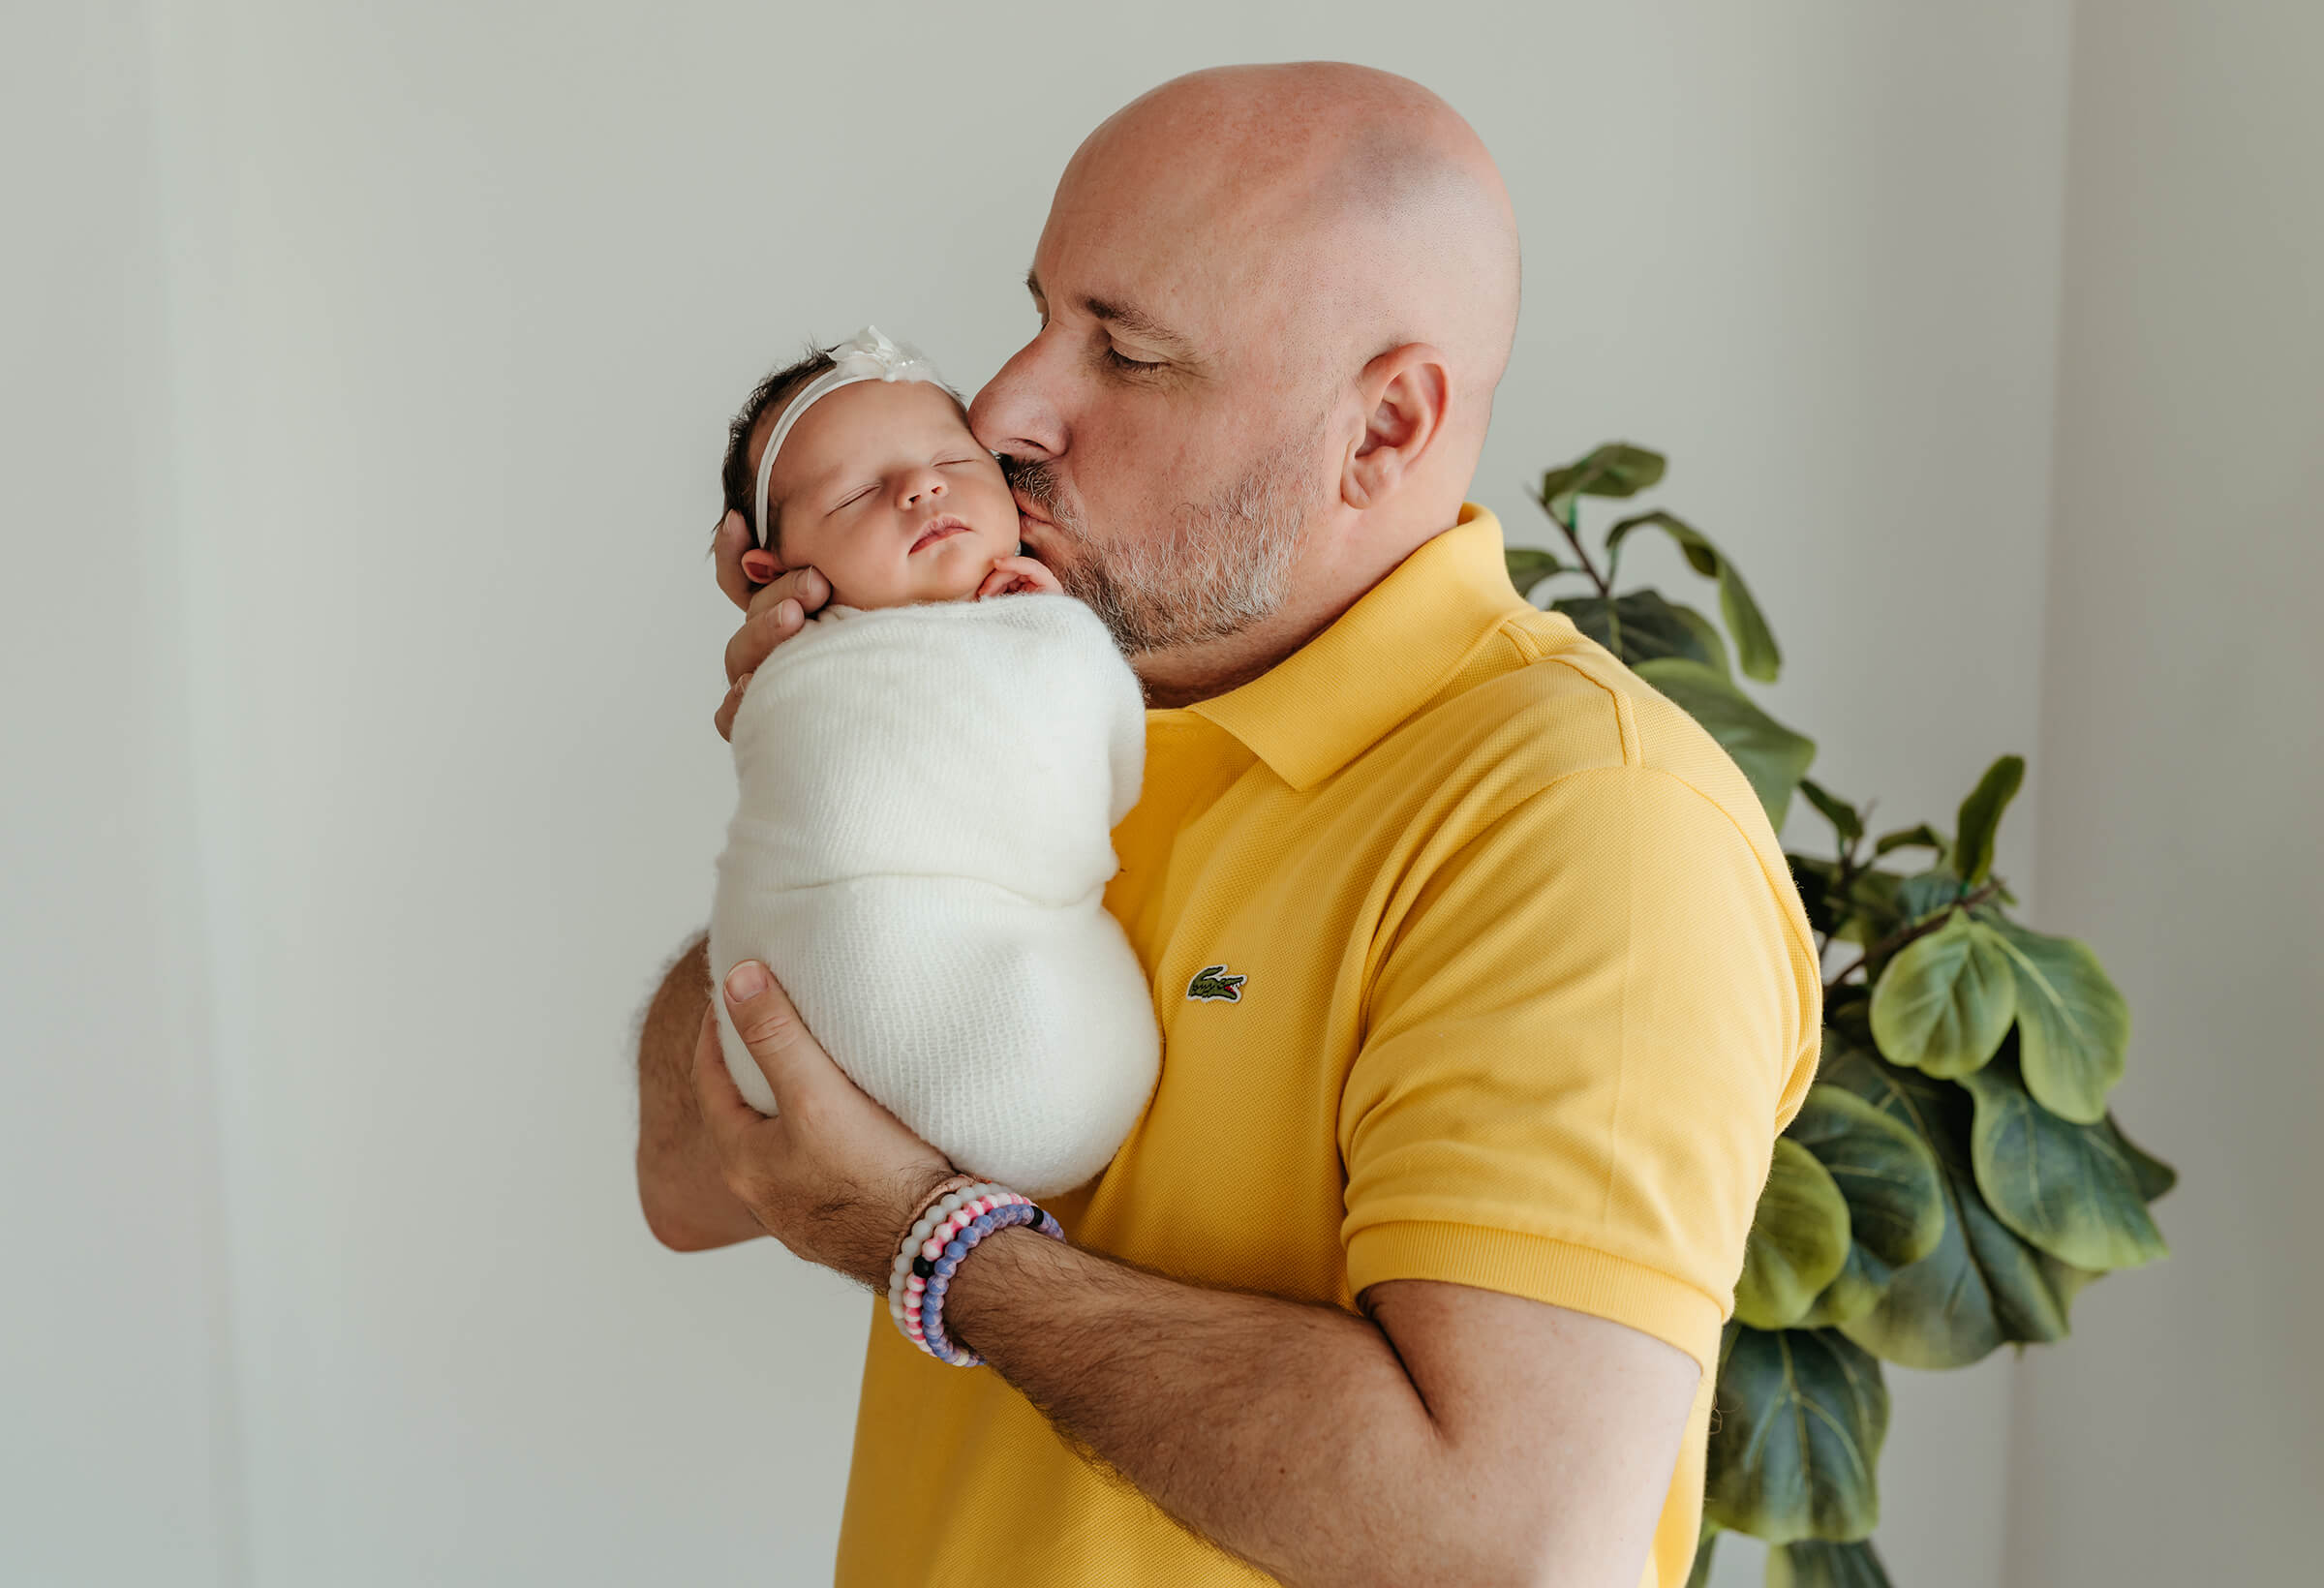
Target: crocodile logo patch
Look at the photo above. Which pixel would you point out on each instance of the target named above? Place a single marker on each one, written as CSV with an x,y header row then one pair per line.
x,y
1213,983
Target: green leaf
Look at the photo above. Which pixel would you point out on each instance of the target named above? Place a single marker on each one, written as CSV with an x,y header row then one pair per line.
x,y
1863,1279
2071,1190
2154,1177
1895,1199
1798,1243
1770,755
1847,823
2154,1180
2073,1029
1707,636
1873,908
1616,469
1815,1564
1642,626
1946,1000
2065,1280
1866,915
1979,1286
1755,642
1884,1172
1529,566
1795,1443
1918,898
1982,815
1923,836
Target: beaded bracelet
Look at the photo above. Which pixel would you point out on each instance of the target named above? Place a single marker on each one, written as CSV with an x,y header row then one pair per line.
x,y
942,1203
932,1250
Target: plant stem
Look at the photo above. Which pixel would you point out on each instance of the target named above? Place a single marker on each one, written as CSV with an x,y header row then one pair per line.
x,y
1899,938
1573,539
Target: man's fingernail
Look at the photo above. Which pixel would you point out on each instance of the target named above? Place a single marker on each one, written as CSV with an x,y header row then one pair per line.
x,y
786,612
745,981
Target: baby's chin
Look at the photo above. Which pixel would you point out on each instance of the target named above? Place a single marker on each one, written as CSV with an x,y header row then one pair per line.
x,y
954,567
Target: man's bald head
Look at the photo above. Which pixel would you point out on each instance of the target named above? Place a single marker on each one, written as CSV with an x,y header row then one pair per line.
x,y
1360,198
1274,303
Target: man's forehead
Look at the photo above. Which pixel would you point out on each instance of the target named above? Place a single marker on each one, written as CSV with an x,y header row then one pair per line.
x,y
1197,252
1150,280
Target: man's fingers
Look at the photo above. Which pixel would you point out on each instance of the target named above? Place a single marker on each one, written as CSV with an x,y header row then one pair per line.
x,y
788,1054
724,1110
766,627
776,613
732,704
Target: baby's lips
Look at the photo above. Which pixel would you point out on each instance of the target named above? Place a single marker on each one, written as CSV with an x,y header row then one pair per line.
x,y
937,526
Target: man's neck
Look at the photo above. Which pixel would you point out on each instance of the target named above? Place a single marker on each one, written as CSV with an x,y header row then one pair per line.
x,y
1323,589
1186,675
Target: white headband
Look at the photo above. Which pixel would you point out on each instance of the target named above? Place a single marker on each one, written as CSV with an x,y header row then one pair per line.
x,y
868,356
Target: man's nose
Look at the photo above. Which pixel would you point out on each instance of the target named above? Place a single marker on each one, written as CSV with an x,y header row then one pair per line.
x,y
1017,413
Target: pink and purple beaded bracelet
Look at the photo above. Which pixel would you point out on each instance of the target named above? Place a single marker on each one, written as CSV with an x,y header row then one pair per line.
x,y
945,1233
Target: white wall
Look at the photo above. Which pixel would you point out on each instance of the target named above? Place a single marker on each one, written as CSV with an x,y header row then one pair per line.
x,y
2178,1440
456,301
118,1453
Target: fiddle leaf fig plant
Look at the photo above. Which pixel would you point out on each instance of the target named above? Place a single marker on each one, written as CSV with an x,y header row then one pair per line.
x,y
1955,1176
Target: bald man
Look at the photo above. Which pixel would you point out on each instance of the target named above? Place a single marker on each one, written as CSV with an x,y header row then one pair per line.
x,y
1483,986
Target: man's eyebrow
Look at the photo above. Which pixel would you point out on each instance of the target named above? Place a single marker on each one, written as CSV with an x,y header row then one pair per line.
x,y
1131,319
1143,326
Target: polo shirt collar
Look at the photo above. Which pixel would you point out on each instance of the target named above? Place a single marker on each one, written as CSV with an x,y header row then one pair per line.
x,y
1380,661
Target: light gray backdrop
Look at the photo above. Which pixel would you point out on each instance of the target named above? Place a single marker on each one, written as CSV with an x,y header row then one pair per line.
x,y
366,370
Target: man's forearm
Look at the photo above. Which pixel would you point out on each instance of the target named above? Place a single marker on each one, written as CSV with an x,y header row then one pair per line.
x,y
685,1200
1289,1434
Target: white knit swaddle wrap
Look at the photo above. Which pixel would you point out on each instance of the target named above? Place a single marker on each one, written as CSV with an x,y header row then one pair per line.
x,y
919,852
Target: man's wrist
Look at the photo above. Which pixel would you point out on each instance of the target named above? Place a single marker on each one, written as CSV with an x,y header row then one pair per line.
x,y
999,1268
896,1218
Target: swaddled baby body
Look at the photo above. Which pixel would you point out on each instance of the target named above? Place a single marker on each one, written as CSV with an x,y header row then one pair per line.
x,y
928,775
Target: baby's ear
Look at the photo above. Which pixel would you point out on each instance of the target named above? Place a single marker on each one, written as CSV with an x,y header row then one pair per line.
x,y
761,566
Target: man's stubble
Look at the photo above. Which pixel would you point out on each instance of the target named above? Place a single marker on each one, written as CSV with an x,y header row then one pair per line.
x,y
1209,570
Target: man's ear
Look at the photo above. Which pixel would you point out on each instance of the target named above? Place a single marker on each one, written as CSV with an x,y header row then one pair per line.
x,y
1404,392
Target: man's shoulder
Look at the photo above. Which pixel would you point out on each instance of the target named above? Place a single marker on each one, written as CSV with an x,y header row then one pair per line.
x,y
1541,703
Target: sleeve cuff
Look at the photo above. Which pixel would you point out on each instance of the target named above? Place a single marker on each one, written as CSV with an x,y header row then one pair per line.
x,y
1541,1269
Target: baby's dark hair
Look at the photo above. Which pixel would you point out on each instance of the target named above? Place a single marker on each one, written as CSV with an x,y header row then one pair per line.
x,y
738,478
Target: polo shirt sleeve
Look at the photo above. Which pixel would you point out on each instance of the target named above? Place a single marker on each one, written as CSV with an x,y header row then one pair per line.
x,y
1581,1041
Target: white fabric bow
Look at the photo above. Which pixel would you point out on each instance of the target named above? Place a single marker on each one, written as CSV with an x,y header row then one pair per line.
x,y
873,356
868,356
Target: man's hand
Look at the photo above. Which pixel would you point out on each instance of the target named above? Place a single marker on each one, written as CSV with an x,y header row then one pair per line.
x,y
1020,576
680,1183
776,601
830,1175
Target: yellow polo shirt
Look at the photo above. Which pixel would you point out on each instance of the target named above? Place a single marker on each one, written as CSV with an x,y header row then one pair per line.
x,y
1475,961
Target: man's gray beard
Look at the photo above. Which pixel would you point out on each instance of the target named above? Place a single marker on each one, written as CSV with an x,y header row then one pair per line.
x,y
1213,570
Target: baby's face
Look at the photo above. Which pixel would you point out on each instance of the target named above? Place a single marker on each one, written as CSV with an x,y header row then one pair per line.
x,y
887,495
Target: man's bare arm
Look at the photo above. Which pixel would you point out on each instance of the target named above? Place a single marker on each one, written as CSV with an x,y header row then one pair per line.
x,y
678,1182
1462,1436
1457,1436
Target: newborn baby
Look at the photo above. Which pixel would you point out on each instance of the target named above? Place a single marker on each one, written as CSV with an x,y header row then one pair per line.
x,y
931,771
